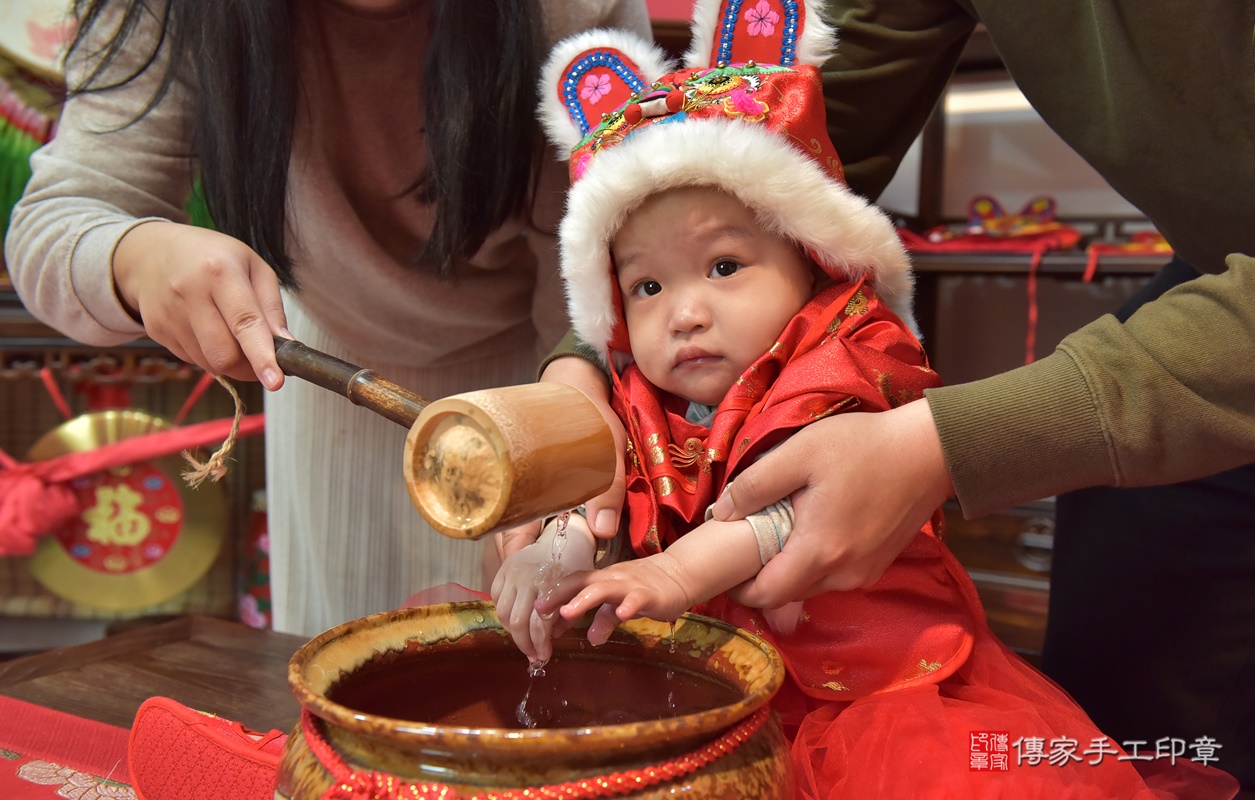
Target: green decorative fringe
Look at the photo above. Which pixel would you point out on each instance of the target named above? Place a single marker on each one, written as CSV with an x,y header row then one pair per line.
x,y
17,143
197,209
16,146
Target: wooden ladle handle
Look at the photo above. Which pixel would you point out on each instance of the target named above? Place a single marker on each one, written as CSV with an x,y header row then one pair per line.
x,y
479,462
361,386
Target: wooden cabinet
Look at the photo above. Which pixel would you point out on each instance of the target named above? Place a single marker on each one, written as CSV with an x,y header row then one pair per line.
x,y
1008,557
974,312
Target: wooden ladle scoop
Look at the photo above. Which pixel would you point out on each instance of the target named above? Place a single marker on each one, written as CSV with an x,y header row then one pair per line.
x,y
479,462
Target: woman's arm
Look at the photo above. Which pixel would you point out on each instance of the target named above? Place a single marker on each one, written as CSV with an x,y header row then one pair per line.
x,y
104,173
98,247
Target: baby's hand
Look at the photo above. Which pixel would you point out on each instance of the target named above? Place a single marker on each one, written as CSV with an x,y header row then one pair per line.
x,y
531,571
654,587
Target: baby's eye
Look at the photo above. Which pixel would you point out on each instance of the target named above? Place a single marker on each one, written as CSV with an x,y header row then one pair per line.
x,y
646,288
723,268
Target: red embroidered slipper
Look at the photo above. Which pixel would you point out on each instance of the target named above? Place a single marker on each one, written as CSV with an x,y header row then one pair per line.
x,y
176,752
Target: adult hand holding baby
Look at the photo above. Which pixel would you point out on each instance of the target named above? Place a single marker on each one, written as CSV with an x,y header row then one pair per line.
x,y
862,485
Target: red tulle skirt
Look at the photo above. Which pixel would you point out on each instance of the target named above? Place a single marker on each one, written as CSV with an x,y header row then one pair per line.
x,y
901,690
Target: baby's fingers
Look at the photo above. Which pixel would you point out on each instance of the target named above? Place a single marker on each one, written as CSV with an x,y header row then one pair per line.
x,y
561,592
635,604
541,631
523,638
506,597
522,609
590,598
604,623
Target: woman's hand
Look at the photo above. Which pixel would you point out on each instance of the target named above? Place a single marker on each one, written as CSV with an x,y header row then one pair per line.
x,y
602,511
206,297
862,485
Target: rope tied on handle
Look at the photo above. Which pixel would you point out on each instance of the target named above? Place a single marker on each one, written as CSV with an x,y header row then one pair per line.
x,y
215,467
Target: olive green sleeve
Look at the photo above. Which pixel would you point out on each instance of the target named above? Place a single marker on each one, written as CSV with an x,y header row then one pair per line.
x,y
1167,396
571,345
892,62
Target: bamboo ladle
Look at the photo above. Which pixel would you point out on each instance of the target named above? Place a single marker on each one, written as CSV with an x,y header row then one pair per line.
x,y
479,462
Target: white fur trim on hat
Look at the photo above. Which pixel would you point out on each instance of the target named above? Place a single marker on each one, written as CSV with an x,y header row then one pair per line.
x,y
561,130
786,188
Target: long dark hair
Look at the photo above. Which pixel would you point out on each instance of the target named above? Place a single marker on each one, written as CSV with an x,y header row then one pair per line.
x,y
484,146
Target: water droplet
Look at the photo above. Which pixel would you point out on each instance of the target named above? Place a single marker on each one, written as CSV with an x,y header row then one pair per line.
x,y
551,572
559,537
526,717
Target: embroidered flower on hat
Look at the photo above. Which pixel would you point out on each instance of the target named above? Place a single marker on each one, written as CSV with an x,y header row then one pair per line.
x,y
595,87
762,19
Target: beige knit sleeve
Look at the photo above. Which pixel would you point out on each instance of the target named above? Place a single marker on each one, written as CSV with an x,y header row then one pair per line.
x,y
103,173
1165,397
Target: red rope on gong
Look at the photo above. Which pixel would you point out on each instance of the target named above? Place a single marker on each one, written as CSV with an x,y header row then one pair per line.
x,y
351,784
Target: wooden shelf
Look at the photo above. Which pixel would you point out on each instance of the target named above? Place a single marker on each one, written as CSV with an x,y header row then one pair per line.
x,y
1071,263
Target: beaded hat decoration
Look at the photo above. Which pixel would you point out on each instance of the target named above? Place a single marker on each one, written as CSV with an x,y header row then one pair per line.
x,y
745,116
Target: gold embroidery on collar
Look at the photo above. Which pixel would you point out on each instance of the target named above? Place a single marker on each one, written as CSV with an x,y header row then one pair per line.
x,y
684,457
923,668
858,304
631,451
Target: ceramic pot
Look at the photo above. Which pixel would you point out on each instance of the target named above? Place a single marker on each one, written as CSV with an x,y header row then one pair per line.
x,y
433,701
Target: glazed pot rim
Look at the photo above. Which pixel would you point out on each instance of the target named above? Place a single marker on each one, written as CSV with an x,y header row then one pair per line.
x,y
744,644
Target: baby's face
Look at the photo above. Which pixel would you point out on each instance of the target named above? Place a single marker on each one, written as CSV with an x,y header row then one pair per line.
x,y
706,290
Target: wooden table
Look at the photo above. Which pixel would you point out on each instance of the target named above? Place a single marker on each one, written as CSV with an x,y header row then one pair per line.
x,y
210,664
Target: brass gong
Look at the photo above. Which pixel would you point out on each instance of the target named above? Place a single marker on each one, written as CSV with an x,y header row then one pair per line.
x,y
143,536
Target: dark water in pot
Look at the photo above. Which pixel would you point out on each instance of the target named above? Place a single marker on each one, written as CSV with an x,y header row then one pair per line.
x,y
495,689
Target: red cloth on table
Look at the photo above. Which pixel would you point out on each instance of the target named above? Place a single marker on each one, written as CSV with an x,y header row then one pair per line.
x,y
47,754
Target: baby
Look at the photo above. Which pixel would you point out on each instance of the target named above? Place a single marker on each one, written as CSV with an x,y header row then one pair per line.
x,y
700,309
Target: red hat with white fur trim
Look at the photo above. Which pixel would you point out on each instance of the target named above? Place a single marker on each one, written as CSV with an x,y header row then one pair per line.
x,y
746,116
